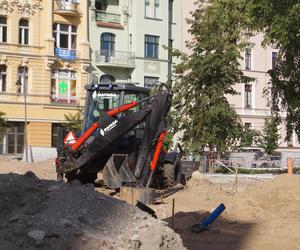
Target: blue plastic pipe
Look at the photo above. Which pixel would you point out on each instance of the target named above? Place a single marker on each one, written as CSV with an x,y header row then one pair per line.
x,y
213,216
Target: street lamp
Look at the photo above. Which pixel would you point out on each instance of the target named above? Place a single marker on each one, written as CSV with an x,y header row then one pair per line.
x,y
21,82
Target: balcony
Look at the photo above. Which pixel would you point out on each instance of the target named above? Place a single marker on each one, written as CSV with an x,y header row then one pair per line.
x,y
103,16
66,8
108,58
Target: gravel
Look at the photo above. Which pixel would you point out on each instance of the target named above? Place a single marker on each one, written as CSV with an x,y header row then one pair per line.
x,y
45,214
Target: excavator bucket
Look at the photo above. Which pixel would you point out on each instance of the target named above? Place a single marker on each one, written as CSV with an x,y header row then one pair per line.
x,y
116,171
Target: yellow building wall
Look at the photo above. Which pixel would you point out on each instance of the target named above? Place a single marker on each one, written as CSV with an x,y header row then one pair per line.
x,y
39,134
38,56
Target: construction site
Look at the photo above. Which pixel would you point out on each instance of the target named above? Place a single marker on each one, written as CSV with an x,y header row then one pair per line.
x,y
37,212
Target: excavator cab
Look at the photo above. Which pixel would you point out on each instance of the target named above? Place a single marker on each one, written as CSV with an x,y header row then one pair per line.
x,y
105,97
102,98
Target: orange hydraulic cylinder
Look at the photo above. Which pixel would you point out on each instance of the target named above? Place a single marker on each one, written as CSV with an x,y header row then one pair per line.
x,y
96,125
157,150
122,108
85,136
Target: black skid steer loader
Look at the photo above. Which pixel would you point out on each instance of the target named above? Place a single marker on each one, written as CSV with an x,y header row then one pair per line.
x,y
122,136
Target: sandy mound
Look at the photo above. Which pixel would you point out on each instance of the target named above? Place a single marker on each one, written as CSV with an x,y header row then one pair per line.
x,y
44,214
277,198
266,215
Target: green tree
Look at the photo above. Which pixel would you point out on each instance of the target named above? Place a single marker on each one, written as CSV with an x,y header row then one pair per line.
x,y
3,124
206,76
280,21
270,135
73,122
250,137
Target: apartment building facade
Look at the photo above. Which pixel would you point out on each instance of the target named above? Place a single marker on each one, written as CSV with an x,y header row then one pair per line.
x,y
44,60
252,102
129,40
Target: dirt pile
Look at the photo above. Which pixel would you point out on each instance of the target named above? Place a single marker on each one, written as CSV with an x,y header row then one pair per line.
x,y
265,215
43,214
272,200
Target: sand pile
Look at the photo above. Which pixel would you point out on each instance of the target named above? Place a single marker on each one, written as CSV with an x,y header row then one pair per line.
x,y
274,199
36,213
266,215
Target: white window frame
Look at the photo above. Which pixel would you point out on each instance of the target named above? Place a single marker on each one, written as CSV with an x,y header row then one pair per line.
x,y
250,58
71,75
156,9
23,79
1,30
251,96
1,79
147,11
57,32
23,30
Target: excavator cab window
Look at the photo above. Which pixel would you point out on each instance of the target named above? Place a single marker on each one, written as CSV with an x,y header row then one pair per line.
x,y
103,102
100,101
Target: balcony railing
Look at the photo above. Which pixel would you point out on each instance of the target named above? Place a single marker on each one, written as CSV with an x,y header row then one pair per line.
x,y
106,17
115,58
68,8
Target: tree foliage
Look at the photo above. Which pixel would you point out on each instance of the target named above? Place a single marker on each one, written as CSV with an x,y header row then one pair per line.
x,y
280,22
270,135
73,121
3,124
207,75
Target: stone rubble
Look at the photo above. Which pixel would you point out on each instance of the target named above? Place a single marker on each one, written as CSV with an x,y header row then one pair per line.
x,y
44,214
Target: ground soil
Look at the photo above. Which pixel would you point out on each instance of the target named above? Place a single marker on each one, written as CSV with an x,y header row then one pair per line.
x,y
36,213
263,214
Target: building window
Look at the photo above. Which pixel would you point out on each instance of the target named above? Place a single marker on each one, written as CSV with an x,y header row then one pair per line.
x,y
248,96
3,75
107,79
63,86
150,81
156,9
65,36
248,59
274,60
23,79
147,8
151,46
24,31
108,44
3,29
54,134
13,139
248,125
101,5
